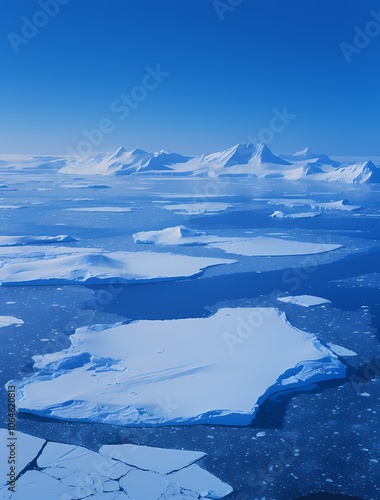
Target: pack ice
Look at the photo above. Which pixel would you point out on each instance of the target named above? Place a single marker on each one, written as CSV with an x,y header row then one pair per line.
x,y
49,470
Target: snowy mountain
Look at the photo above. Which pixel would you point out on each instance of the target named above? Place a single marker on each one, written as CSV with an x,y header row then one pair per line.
x,y
123,162
360,173
244,154
255,160
163,161
307,155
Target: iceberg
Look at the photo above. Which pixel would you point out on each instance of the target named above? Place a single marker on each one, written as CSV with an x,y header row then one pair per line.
x,y
304,300
214,370
208,207
95,267
260,246
10,320
34,240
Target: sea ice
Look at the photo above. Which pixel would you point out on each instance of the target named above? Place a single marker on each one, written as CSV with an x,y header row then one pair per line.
x,y
304,300
100,209
115,472
213,370
34,240
10,320
301,215
257,246
97,267
198,208
264,247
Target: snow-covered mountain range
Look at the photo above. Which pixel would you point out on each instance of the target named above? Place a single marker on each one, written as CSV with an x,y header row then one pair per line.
x,y
242,160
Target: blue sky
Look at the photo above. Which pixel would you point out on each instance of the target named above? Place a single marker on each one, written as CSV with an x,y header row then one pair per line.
x,y
223,78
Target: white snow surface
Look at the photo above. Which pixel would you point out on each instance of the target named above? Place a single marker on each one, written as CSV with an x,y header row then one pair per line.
x,y
304,300
115,472
257,246
213,370
91,266
100,209
263,246
255,160
300,215
341,351
34,240
10,320
198,208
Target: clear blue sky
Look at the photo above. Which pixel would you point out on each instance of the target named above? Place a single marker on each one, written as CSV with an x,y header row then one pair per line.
x,y
225,77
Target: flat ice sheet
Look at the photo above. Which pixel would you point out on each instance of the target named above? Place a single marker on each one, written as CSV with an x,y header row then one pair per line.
x,y
115,472
198,208
256,246
304,300
97,267
10,320
265,247
33,240
213,370
100,209
301,215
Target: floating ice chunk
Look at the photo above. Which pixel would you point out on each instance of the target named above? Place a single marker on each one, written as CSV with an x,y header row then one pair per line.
x,y
304,300
341,351
141,485
338,205
75,472
27,448
198,208
290,202
11,207
154,459
264,247
100,209
178,235
104,267
146,370
258,246
34,240
301,215
10,320
85,186
194,478
75,458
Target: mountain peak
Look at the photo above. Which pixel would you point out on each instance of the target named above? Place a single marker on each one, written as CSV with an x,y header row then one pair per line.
x,y
138,152
119,151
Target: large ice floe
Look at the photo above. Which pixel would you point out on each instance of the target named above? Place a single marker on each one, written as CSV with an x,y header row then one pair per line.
x,y
34,240
10,320
304,300
208,207
62,265
48,470
214,370
260,246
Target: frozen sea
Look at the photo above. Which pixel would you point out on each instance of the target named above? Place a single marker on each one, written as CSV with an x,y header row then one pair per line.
x,y
323,438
